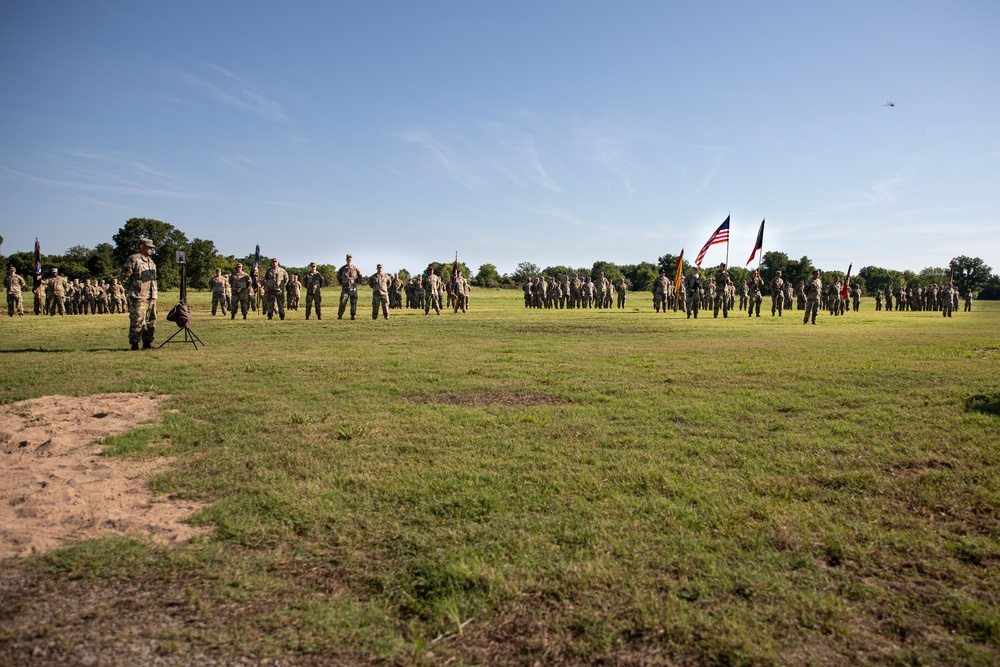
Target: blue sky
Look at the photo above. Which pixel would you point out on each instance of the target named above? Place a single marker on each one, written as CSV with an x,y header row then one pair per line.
x,y
549,132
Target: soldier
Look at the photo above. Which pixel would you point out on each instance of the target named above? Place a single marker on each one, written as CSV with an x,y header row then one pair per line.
x,y
621,288
117,297
293,289
348,276
744,295
721,282
777,293
275,280
314,282
218,286
878,300
432,287
90,297
139,279
379,282
14,283
755,287
55,293
800,296
946,300
692,289
789,294
856,297
813,290
239,285
460,290
968,301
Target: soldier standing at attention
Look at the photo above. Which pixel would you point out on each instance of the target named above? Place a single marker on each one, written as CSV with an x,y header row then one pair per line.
x,y
348,276
755,287
239,283
878,300
274,290
293,288
968,301
777,293
58,286
814,289
856,297
139,280
14,283
432,285
946,300
314,282
460,288
621,288
721,282
379,282
218,287
692,290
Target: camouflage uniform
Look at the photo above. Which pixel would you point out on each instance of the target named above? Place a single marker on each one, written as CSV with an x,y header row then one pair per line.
x,y
239,284
946,301
275,280
460,288
55,294
218,286
13,283
139,280
755,287
721,298
621,288
348,276
293,289
380,282
968,301
314,282
813,290
432,287
692,289
777,293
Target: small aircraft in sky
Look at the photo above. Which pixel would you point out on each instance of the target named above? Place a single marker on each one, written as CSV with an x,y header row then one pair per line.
x,y
889,104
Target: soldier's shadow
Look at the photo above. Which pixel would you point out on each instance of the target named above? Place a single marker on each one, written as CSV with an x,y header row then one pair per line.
x,y
27,350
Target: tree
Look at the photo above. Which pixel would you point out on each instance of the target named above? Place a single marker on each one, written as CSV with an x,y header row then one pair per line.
x,y
524,271
878,279
934,275
641,276
668,263
609,269
167,239
772,262
101,262
487,276
202,260
971,273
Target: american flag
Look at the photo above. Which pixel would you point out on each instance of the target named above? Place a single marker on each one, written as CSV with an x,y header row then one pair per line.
x,y
721,235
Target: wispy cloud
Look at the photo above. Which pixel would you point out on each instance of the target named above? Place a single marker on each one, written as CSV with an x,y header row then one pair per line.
x,y
446,158
608,146
230,89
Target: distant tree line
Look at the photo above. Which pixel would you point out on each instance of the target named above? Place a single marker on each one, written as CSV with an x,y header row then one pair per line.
x,y
104,261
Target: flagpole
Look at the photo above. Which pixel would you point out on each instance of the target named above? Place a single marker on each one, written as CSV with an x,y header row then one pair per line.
x,y
729,216
760,255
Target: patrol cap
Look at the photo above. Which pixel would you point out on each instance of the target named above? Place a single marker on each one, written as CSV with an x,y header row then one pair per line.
x,y
147,242
55,270
350,256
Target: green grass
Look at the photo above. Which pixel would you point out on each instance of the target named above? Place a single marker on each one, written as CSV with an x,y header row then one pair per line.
x,y
741,491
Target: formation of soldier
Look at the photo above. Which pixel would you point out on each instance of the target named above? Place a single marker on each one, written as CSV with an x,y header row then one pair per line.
x,y
56,295
573,291
233,293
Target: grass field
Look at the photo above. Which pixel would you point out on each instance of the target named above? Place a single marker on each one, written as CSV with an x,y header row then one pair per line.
x,y
577,486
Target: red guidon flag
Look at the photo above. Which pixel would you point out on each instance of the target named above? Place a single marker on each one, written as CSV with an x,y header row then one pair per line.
x,y
847,283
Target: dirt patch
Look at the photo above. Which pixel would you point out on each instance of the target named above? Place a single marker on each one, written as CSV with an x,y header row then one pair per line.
x,y
483,398
56,488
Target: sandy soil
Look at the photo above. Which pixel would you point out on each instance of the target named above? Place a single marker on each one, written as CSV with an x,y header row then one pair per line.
x,y
56,488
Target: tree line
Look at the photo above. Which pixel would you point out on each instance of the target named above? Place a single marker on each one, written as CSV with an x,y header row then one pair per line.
x,y
104,261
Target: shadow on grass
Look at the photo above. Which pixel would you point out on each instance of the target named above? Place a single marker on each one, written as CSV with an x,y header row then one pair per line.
x,y
990,404
26,350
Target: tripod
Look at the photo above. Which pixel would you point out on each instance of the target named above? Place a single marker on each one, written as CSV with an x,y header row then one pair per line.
x,y
181,314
